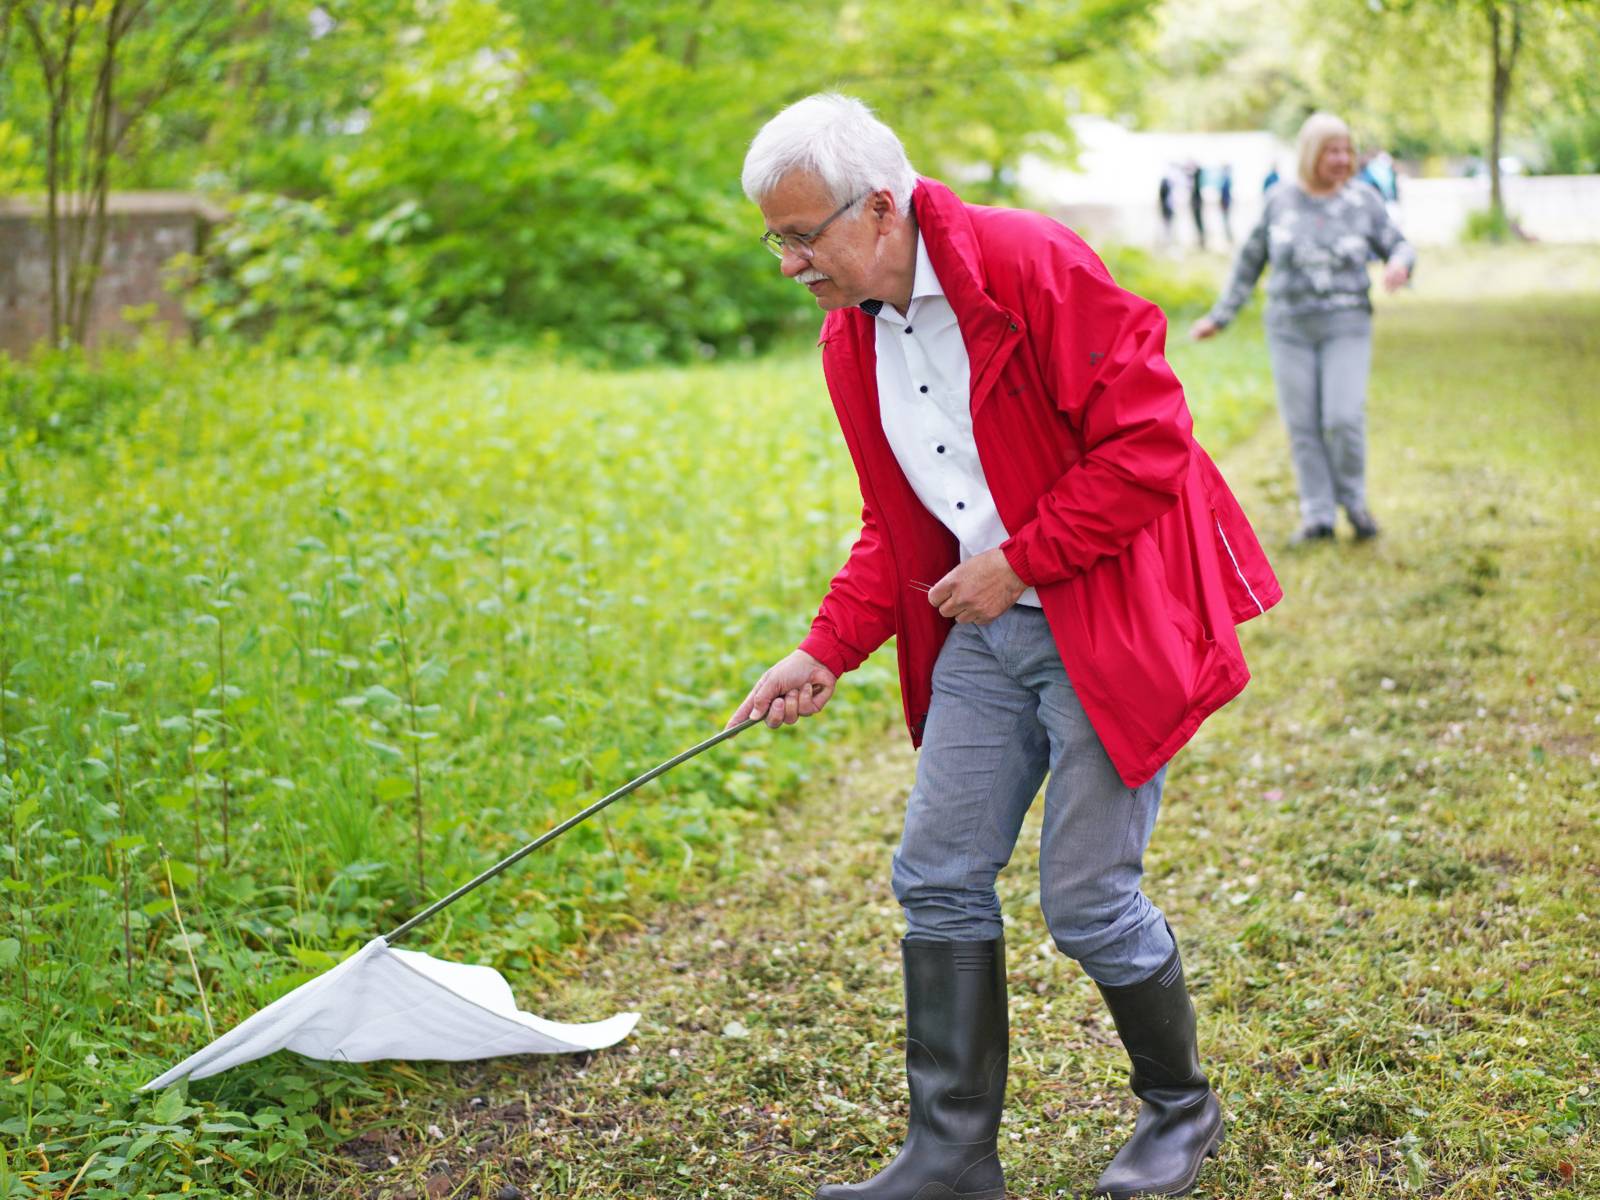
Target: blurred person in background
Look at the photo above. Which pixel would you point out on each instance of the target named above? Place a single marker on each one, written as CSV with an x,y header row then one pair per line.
x,y
1318,233
1062,567
1197,202
1164,199
1378,169
1225,199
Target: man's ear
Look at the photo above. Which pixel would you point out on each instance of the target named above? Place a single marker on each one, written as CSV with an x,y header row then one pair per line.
x,y
881,204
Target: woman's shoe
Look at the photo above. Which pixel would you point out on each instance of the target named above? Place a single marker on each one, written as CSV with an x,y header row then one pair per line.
x,y
1361,521
1312,533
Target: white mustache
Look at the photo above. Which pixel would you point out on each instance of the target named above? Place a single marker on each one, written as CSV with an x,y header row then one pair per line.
x,y
810,275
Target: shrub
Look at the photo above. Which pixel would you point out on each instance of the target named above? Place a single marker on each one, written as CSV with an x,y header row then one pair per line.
x,y
1490,225
70,396
1181,290
284,272
490,199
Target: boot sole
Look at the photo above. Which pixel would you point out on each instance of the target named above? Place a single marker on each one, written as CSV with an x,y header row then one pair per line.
x,y
939,1191
1181,1187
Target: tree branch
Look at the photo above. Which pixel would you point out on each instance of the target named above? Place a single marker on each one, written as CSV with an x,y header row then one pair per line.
x,y
170,81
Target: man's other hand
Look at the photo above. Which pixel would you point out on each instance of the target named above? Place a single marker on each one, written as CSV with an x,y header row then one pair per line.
x,y
979,590
796,687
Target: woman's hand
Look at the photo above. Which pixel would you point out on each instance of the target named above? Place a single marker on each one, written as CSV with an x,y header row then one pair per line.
x,y
1203,328
1395,276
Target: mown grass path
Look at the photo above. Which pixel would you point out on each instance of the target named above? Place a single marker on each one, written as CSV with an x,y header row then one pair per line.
x,y
1382,862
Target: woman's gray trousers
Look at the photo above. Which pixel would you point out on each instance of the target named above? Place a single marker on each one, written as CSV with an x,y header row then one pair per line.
x,y
1320,362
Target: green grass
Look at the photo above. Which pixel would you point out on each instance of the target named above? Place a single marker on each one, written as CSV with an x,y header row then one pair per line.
x,y
579,573
1380,861
334,638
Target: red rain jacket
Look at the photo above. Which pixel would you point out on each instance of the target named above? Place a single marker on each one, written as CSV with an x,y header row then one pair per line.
x,y
1142,558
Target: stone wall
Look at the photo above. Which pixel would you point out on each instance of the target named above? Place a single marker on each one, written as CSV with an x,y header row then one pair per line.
x,y
145,230
1551,208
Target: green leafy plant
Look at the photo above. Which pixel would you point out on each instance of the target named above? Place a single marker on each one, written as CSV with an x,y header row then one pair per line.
x,y
1489,225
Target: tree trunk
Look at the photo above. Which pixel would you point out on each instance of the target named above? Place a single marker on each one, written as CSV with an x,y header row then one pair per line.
x,y
58,158
85,135
1503,61
83,269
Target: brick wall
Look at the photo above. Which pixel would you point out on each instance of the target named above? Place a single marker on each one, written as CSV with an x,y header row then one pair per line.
x,y
145,230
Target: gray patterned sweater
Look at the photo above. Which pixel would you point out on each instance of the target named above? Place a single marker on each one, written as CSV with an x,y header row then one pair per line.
x,y
1318,247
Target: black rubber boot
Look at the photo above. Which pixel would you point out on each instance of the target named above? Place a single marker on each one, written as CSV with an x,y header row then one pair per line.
x,y
957,1036
1180,1121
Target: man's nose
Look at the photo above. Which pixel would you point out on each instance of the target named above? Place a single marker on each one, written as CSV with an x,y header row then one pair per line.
x,y
793,263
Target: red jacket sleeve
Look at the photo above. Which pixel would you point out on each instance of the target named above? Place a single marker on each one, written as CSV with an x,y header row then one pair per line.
x,y
1102,353
855,619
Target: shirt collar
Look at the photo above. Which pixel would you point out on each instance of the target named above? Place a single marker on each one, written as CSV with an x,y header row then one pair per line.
x,y
925,282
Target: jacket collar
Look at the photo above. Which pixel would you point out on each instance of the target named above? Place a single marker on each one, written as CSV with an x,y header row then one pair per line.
x,y
944,225
990,331
946,230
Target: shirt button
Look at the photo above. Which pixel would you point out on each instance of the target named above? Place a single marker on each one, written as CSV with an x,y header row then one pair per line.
x,y
961,503
940,449
923,388
908,329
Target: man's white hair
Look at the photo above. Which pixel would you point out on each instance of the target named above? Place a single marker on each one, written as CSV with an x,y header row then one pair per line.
x,y
837,139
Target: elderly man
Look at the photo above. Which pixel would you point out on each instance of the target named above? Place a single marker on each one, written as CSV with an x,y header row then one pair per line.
x,y
1062,567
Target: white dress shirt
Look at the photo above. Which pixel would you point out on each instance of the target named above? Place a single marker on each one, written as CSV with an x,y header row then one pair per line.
x,y
925,403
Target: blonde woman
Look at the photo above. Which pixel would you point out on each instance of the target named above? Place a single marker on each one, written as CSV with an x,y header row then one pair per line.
x,y
1318,234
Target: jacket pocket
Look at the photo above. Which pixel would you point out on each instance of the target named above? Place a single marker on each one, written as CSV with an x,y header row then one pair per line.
x,y
1250,585
1148,649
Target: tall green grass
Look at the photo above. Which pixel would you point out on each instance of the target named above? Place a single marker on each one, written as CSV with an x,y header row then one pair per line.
x,y
332,638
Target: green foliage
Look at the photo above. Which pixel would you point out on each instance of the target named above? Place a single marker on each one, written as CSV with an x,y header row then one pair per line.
x,y
253,620
287,95
1571,141
68,398
1183,289
1407,75
1229,64
17,169
1489,225
496,169
283,273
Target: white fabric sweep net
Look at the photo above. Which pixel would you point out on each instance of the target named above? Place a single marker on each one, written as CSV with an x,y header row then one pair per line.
x,y
387,1003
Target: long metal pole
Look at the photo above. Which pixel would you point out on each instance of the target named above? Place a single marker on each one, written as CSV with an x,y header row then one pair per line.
x,y
575,819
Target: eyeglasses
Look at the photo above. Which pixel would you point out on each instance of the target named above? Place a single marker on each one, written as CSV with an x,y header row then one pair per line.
x,y
800,243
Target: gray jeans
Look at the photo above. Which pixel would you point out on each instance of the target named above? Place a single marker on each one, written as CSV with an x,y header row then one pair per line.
x,y
1320,363
1004,714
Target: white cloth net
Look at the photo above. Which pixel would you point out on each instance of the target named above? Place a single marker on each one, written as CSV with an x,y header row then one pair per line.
x,y
387,1003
